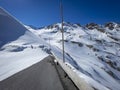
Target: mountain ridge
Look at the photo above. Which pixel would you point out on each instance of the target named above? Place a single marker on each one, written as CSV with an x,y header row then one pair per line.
x,y
95,49
91,24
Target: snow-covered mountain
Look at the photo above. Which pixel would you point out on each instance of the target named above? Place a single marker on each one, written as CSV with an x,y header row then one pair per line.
x,y
19,48
94,50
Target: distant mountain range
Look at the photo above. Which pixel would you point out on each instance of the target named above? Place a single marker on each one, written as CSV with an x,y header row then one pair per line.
x,y
91,26
95,48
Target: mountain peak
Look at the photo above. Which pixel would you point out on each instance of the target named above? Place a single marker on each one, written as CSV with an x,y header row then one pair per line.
x,y
111,25
92,26
65,25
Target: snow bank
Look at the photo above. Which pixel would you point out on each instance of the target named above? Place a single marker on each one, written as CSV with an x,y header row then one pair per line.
x,y
13,62
19,48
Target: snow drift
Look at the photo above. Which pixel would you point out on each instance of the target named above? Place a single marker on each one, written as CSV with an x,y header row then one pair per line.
x,y
11,30
19,48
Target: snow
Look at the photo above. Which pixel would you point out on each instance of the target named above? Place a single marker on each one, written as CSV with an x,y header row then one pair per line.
x,y
19,48
93,54
89,52
12,62
12,30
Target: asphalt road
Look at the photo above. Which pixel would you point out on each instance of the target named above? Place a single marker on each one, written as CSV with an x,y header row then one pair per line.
x,y
45,75
41,76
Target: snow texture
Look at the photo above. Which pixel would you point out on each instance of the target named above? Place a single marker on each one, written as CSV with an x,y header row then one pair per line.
x,y
94,52
19,48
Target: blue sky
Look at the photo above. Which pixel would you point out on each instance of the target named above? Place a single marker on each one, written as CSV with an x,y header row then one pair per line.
x,y
44,12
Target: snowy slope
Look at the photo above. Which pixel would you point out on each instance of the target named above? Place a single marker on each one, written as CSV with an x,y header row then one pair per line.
x,y
93,50
19,48
13,30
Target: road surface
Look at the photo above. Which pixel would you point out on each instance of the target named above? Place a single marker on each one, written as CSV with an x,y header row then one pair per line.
x,y
45,75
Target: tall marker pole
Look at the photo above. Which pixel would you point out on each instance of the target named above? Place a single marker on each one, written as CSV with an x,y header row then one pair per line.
x,y
61,12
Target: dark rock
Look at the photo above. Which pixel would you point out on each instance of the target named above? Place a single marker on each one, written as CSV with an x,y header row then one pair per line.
x,y
110,25
92,26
